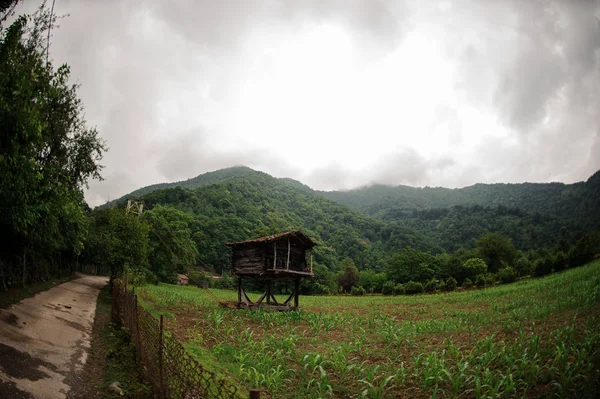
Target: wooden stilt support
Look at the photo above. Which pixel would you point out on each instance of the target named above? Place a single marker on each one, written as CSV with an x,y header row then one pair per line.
x,y
268,292
262,297
239,290
296,292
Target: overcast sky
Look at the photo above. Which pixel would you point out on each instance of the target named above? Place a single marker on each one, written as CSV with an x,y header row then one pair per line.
x,y
337,93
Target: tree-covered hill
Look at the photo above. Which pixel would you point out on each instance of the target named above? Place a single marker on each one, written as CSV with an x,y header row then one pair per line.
x,y
533,215
200,180
254,204
238,202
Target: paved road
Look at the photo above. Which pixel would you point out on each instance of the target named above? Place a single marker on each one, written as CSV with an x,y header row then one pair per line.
x,y
44,340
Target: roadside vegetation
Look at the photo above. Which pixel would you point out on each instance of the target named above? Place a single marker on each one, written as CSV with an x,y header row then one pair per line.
x,y
112,358
532,338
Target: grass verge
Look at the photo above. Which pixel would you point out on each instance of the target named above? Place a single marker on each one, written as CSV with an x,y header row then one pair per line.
x,y
112,358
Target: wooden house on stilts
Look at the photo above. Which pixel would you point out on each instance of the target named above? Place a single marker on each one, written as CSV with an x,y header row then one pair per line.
x,y
277,257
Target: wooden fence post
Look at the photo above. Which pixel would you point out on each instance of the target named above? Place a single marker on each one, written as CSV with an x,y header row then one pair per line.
x,y
138,341
160,359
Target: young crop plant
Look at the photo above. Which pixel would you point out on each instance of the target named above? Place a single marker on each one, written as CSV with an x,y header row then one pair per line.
x,y
526,339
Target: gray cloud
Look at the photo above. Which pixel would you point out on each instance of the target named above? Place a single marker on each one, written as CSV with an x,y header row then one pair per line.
x,y
161,80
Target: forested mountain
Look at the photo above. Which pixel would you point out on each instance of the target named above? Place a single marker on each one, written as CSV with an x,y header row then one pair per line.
x,y
200,180
411,234
246,203
533,215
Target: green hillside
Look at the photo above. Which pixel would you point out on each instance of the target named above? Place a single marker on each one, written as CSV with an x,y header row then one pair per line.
x,y
533,215
200,180
254,204
422,235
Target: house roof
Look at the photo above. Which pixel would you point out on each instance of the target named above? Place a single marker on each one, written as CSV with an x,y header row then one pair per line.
x,y
306,240
183,276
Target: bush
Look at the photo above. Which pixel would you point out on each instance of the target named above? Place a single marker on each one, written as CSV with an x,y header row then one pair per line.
x,y
507,275
542,267
451,284
468,283
198,278
431,286
442,286
358,290
388,288
480,281
559,261
523,266
225,282
490,278
412,288
398,289
320,289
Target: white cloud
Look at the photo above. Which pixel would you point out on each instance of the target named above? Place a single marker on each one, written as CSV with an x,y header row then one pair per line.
x,y
338,93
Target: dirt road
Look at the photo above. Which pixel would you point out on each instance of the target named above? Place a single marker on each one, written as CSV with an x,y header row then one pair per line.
x,y
44,339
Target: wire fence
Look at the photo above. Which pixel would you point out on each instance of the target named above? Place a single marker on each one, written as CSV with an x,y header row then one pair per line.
x,y
170,369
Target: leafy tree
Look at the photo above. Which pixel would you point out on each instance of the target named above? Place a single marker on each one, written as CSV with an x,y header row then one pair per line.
x,y
47,155
117,240
372,281
523,266
451,284
507,275
172,248
495,249
410,265
349,277
474,267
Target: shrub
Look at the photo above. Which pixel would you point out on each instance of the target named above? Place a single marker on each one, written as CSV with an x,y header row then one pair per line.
x,y
388,288
542,267
507,275
412,288
559,261
225,282
490,278
358,290
320,289
480,281
198,278
398,289
431,285
523,266
442,286
468,283
451,284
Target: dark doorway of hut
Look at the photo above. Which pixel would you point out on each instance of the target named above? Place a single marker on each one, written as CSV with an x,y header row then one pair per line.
x,y
281,256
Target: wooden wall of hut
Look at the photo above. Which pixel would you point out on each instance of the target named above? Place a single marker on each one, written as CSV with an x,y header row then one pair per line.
x,y
248,260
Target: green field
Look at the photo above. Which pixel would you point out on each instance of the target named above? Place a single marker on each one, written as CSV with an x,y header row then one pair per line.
x,y
533,338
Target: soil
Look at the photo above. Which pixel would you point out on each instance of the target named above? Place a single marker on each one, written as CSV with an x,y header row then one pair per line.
x,y
44,340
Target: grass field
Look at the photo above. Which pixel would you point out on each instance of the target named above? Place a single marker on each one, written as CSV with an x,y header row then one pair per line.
x,y
534,338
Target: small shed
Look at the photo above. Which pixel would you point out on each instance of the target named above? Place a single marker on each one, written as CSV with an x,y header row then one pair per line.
x,y
182,279
280,256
